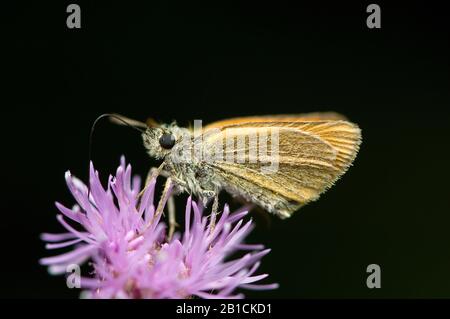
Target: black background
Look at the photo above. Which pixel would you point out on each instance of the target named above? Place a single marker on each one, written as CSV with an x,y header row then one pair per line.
x,y
180,61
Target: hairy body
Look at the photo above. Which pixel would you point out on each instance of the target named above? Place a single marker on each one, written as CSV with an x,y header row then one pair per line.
x,y
313,151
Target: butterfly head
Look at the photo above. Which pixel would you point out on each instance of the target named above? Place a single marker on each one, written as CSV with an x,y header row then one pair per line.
x,y
160,141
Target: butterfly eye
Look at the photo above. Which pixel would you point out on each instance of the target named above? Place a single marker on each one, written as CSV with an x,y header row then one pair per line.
x,y
167,141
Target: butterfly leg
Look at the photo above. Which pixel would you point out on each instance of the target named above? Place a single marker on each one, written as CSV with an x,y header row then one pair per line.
x,y
170,183
152,173
167,191
172,220
214,208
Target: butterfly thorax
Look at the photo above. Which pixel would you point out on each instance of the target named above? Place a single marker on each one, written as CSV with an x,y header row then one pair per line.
x,y
183,162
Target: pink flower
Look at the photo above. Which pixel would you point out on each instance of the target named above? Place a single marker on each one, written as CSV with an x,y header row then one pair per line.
x,y
131,254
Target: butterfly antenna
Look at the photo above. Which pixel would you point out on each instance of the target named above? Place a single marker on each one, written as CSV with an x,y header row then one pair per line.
x,y
115,117
91,134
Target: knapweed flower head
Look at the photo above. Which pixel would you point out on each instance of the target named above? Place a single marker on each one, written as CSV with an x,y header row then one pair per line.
x,y
126,242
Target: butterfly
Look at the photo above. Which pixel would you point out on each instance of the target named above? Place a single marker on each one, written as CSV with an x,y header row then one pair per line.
x,y
278,162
